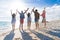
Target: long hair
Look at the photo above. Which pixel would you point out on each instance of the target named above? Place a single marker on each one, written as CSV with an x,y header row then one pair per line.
x,y
28,14
13,15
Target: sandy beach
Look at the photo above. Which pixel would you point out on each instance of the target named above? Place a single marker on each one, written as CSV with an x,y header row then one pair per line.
x,y
50,32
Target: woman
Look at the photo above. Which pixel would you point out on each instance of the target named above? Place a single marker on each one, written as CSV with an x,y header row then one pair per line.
x,y
13,21
29,20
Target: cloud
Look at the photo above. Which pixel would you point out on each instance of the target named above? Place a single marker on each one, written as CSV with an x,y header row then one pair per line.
x,y
6,6
53,12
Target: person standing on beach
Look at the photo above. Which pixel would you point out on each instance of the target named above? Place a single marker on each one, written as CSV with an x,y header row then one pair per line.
x,y
22,16
13,20
37,15
29,20
44,17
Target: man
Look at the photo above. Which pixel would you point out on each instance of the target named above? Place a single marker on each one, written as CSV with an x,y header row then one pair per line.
x,y
22,16
37,15
44,17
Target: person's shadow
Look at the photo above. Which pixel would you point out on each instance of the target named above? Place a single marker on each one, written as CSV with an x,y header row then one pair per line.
x,y
9,36
56,32
42,36
25,36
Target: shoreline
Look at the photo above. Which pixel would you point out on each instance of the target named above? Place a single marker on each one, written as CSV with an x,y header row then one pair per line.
x,y
51,26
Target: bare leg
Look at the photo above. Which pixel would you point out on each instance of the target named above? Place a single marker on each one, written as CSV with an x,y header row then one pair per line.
x,y
29,24
45,23
38,25
13,27
22,26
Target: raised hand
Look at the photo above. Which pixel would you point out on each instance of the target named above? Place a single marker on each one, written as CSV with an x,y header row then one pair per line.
x,y
26,10
11,12
17,11
33,9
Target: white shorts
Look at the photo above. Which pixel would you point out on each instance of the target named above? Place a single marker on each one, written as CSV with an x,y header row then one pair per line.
x,y
29,19
13,21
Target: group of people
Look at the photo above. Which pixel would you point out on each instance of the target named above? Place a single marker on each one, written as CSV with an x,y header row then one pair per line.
x,y
22,16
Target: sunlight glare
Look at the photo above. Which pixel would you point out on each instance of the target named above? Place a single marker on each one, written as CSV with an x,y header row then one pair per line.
x,y
17,5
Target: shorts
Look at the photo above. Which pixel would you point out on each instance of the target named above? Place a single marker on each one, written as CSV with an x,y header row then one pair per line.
x,y
36,19
43,20
28,19
21,21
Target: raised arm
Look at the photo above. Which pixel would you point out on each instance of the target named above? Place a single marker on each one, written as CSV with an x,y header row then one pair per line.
x,y
26,10
11,12
31,12
17,11
33,9
43,12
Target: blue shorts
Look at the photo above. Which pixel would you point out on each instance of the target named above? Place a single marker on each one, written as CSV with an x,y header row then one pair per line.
x,y
36,19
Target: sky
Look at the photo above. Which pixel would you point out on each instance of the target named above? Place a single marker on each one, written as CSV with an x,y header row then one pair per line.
x,y
52,7
42,3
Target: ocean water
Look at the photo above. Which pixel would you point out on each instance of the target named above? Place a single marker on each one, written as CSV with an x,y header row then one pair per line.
x,y
4,24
